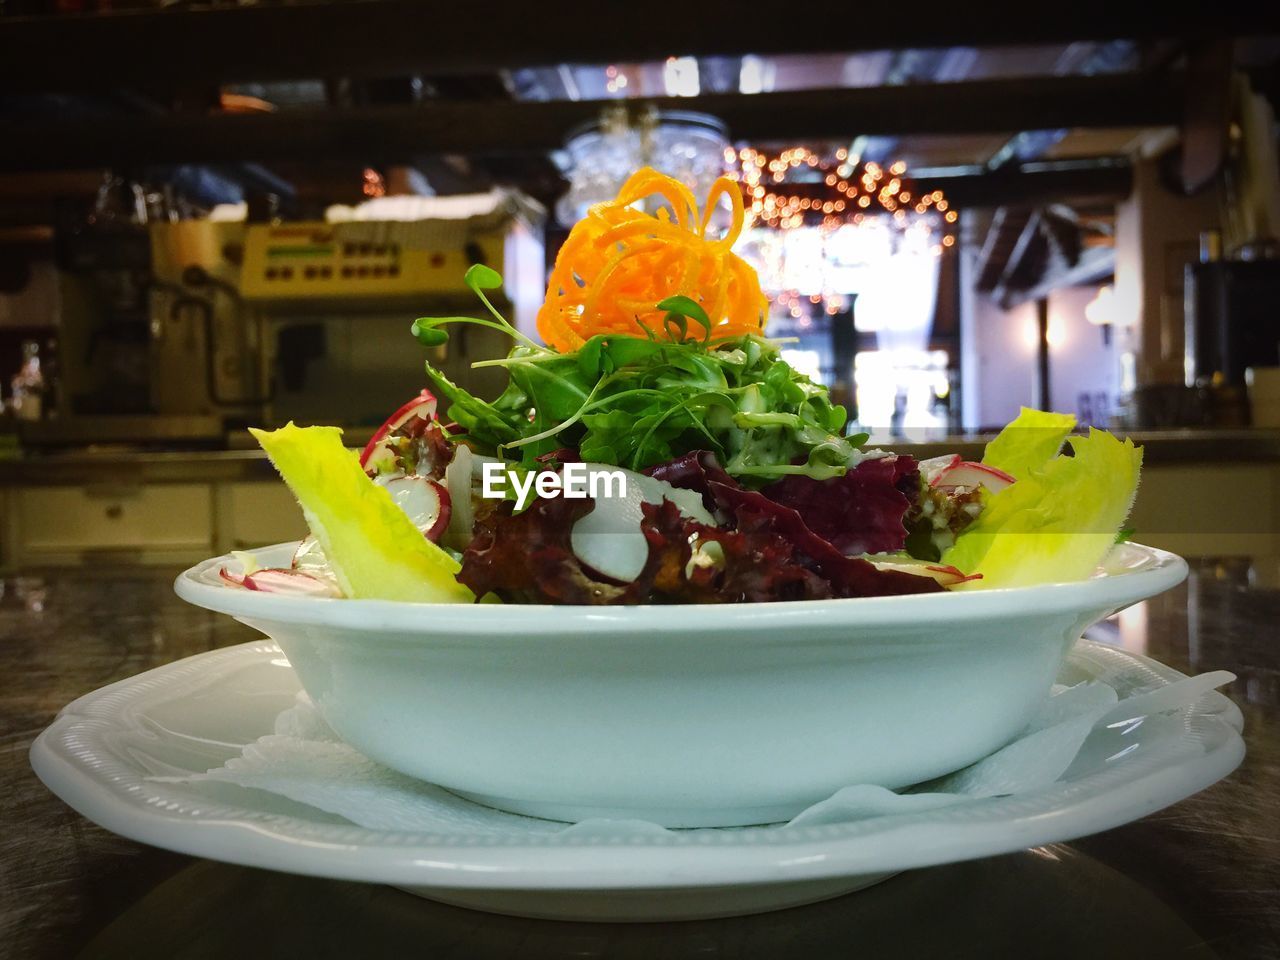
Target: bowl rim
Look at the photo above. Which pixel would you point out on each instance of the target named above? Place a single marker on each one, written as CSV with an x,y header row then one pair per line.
x,y
1143,572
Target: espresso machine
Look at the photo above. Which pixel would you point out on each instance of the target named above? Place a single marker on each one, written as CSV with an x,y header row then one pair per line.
x,y
260,324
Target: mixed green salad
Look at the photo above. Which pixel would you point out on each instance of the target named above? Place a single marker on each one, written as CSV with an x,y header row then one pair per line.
x,y
745,486
737,478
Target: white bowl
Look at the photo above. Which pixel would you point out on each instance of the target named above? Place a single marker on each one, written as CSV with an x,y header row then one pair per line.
x,y
684,715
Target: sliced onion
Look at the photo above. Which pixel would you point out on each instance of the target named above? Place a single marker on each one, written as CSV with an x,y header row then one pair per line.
x,y
310,558
457,479
291,582
235,579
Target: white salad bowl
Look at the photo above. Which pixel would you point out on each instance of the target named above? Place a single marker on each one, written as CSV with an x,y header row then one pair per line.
x,y
683,715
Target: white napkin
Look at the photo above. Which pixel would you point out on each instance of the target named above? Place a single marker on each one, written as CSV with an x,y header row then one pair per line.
x,y
306,761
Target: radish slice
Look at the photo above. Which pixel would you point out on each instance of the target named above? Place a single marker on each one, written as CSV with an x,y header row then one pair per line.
x,y
235,579
282,581
930,469
945,574
292,582
949,576
437,529
376,450
966,473
425,502
610,540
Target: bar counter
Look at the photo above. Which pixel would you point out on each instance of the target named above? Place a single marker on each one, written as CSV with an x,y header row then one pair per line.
x,y
1200,879
114,463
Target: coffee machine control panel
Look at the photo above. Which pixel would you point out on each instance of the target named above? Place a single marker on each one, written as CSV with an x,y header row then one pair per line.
x,y
322,261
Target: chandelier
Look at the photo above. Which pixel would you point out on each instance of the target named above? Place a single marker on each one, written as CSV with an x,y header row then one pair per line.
x,y
680,143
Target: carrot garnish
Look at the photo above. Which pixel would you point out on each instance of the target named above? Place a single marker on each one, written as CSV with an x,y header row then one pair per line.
x,y
620,262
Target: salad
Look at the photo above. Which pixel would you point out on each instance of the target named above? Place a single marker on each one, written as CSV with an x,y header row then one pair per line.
x,y
725,475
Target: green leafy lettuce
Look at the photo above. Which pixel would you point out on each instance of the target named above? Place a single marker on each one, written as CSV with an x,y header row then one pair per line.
x,y
1061,516
372,545
1029,442
638,401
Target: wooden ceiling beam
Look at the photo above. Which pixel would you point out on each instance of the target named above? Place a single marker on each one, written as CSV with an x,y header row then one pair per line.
x,y
257,42
501,127
1016,264
1208,111
1094,266
1086,181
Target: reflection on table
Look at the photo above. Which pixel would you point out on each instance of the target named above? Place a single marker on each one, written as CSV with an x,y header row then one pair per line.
x,y
1196,880
1048,902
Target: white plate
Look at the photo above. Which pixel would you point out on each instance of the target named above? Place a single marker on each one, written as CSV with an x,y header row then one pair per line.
x,y
193,715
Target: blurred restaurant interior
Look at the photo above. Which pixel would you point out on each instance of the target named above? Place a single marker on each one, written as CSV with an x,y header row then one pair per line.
x,y
224,214
220,216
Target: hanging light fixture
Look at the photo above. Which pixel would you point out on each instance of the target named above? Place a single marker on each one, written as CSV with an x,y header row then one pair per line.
x,y
1101,311
689,146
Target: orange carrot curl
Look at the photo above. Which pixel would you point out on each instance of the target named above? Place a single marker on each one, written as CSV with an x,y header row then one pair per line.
x,y
619,262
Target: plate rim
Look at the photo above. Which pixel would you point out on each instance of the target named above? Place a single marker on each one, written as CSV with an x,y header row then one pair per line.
x,y
641,862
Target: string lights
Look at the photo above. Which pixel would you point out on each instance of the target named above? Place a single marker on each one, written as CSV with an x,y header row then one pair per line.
x,y
797,187
823,226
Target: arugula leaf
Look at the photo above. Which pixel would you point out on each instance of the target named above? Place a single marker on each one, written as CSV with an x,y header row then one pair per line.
x,y
682,309
638,401
427,330
479,277
677,326
481,420
591,357
686,307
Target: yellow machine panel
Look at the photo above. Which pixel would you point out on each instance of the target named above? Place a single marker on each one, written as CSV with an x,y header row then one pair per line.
x,y
325,261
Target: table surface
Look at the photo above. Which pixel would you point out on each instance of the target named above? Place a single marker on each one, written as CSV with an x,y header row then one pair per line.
x,y
1200,879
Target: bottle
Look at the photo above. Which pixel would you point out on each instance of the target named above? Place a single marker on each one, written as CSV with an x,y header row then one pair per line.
x,y
52,375
28,384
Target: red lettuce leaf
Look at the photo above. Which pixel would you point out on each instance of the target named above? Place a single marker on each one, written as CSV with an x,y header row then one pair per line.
x,y
755,565
692,471
766,552
860,512
848,576
753,512
528,556
422,447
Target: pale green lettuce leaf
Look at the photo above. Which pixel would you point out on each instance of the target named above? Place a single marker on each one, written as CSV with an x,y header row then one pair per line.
x,y
375,550
1029,442
1057,522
